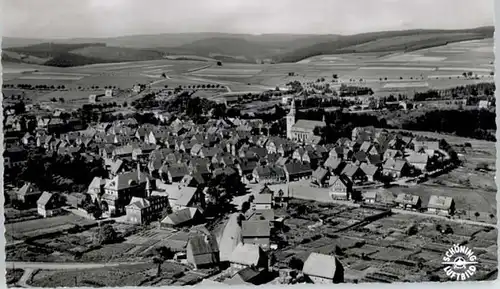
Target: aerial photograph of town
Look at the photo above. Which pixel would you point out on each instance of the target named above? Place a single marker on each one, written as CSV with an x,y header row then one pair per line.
x,y
248,142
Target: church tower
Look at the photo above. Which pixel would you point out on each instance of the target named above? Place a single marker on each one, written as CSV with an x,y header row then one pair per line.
x,y
290,120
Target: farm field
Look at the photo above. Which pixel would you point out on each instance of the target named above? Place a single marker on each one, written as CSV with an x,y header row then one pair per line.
x,y
437,67
382,246
124,275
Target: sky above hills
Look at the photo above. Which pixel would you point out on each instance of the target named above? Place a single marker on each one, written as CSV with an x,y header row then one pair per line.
x,y
107,18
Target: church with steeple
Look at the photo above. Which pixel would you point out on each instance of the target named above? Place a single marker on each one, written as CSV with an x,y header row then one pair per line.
x,y
303,130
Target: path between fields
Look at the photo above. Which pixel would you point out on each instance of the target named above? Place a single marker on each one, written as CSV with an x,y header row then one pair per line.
x,y
30,267
64,266
460,221
23,281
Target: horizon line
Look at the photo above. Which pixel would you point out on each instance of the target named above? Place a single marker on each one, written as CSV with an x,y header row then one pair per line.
x,y
247,34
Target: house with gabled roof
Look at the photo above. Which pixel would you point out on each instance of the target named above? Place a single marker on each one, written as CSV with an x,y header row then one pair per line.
x,y
48,204
145,210
263,201
335,165
174,173
28,194
119,190
183,217
395,168
354,173
372,172
195,149
248,255
297,170
419,160
256,233
441,205
320,177
323,269
340,188
202,251
268,174
408,201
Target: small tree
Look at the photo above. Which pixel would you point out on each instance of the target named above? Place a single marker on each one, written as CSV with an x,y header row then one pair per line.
x,y
296,263
245,206
219,63
107,234
476,214
96,211
162,254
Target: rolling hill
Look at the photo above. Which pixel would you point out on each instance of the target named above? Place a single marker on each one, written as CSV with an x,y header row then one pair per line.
x,y
389,41
227,47
67,55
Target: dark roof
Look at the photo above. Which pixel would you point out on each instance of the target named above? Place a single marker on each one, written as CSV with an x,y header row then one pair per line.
x,y
255,229
298,168
178,170
204,248
179,217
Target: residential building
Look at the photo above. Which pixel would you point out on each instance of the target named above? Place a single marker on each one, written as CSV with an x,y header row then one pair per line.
x,y
296,171
48,204
408,201
323,269
202,251
119,190
441,205
395,168
183,217
257,233
145,210
321,177
248,255
28,194
263,201
340,188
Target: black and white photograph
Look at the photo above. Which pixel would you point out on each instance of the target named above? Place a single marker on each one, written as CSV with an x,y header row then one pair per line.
x,y
248,142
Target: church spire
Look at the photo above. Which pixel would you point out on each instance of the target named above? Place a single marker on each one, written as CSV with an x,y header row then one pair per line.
x,y
292,107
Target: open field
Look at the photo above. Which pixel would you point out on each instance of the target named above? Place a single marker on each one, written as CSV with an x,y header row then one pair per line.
x,y
437,67
124,275
32,228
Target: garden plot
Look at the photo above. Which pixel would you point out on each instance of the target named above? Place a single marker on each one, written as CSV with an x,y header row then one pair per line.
x,y
50,77
412,68
405,84
473,69
32,228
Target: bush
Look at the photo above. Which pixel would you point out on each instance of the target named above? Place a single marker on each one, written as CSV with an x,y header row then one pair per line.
x,y
296,263
107,234
305,241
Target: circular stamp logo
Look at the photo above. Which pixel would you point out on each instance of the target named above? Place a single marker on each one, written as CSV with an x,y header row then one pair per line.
x,y
460,262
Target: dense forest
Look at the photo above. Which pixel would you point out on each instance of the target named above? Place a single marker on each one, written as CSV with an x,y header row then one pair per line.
x,y
478,124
